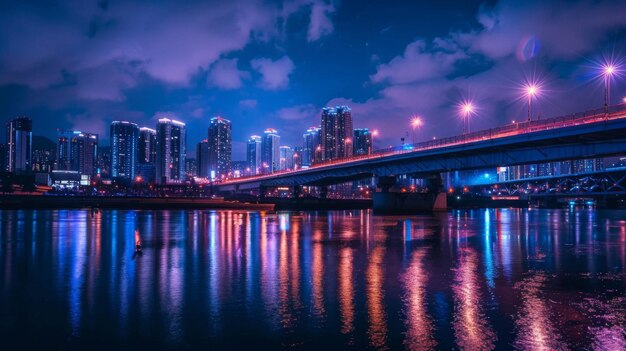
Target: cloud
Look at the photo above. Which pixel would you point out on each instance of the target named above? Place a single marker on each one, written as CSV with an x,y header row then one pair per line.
x,y
248,103
431,76
225,74
320,23
299,113
418,63
274,74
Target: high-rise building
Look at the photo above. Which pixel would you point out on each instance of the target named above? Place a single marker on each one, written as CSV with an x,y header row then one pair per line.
x,y
220,147
84,153
64,149
3,158
171,151
19,145
146,146
336,135
286,158
191,169
253,154
104,161
311,148
362,142
44,150
202,158
270,154
124,136
297,157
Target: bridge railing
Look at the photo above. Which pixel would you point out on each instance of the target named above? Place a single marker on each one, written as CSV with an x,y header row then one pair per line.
x,y
515,128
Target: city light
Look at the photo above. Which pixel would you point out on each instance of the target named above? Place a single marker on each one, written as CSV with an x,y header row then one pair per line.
x,y
531,91
466,108
416,122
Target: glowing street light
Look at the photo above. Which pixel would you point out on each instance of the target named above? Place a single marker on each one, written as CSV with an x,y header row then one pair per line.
x,y
531,91
375,134
416,122
466,109
608,70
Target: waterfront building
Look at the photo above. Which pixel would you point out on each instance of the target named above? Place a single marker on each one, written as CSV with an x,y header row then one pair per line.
x,y
19,145
202,158
146,146
336,133
253,154
124,136
311,149
171,137
44,151
270,154
362,142
219,147
286,158
84,154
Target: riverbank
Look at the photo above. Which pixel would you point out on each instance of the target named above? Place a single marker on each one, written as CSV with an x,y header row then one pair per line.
x,y
124,202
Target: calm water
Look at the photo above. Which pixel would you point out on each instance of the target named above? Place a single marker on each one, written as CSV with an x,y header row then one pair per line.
x,y
481,279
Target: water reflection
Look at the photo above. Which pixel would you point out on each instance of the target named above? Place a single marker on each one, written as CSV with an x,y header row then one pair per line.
x,y
471,326
478,279
419,324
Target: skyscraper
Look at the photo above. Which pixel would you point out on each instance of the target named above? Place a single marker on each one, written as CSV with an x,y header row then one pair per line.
x,y
64,149
146,147
253,154
202,158
220,146
124,136
171,151
270,154
84,153
286,158
19,145
311,143
362,142
336,135
44,151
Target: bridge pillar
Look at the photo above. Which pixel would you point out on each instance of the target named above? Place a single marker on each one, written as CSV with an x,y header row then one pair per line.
x,y
323,191
296,191
388,201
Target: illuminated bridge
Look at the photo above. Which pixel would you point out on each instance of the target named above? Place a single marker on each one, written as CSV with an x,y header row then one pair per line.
x,y
582,135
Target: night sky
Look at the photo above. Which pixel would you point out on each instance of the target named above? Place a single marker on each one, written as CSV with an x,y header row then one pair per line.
x,y
82,64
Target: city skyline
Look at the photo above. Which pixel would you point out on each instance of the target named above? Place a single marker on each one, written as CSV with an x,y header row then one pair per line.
x,y
272,71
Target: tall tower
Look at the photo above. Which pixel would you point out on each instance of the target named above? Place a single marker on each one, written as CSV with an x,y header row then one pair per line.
x,y
336,135
124,137
220,147
270,154
84,153
19,145
171,137
202,158
362,142
253,154
146,148
311,149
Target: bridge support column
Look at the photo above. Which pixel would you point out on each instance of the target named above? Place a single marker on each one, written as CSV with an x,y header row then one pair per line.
x,y
388,201
323,192
296,191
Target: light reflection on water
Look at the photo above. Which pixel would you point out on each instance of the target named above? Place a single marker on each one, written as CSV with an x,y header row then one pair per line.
x,y
480,279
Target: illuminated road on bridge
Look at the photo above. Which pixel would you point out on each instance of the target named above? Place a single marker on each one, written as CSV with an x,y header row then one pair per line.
x,y
596,121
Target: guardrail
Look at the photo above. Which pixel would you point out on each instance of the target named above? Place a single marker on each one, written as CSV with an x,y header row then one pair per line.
x,y
515,128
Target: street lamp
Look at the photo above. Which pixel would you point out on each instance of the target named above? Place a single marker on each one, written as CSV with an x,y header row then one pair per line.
x,y
416,122
531,91
467,109
608,70
375,134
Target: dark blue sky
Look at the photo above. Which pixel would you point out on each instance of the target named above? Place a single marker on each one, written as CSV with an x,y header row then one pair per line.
x,y
83,64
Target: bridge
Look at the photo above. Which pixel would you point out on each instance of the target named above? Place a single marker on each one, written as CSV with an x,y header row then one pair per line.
x,y
590,134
